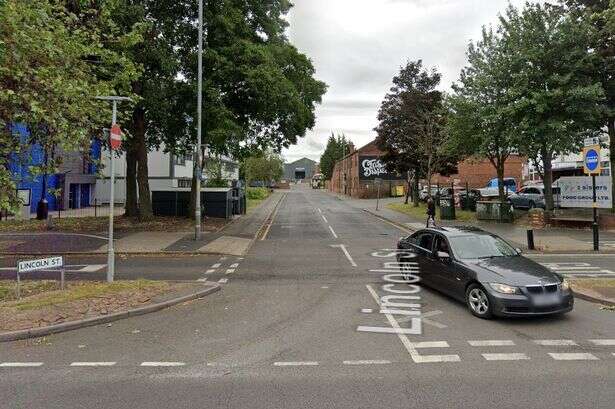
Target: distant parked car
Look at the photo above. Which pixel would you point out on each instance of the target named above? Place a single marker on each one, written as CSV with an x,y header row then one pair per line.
x,y
530,197
491,190
257,183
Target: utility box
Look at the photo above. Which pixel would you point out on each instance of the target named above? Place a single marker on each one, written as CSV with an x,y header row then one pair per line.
x,y
215,202
218,202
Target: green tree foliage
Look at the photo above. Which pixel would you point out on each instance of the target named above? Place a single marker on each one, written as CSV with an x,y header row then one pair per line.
x,y
479,121
268,167
557,96
51,69
412,120
600,15
337,147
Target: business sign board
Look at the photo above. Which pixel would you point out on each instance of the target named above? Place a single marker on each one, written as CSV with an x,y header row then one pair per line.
x,y
371,168
40,264
576,191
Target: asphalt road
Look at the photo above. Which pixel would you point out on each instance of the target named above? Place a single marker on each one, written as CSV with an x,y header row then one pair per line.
x,y
297,325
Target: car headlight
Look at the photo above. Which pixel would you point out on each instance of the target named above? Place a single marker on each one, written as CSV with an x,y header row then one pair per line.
x,y
504,289
565,285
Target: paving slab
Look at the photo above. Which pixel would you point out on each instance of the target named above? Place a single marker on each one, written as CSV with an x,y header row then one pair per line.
x,y
234,246
145,242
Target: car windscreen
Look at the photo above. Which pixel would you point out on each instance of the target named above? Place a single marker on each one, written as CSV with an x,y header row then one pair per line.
x,y
480,246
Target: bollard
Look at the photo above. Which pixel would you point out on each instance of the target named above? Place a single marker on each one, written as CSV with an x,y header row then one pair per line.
x,y
530,240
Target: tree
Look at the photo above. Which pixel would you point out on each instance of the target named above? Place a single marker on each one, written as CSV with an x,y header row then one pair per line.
x,y
50,73
336,149
600,15
557,96
268,167
479,110
411,129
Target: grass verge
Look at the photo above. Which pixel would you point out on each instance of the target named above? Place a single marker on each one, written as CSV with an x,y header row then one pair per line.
x,y
39,294
256,196
420,212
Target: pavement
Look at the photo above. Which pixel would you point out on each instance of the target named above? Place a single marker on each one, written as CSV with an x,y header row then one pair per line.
x,y
298,325
234,239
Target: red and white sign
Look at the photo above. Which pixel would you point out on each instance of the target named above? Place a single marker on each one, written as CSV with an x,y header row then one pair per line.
x,y
116,137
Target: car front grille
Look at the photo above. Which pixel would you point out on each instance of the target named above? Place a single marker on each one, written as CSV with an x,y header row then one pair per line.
x,y
542,289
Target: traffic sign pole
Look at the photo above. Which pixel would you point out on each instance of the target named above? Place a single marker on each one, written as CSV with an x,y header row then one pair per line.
x,y
592,165
110,249
595,229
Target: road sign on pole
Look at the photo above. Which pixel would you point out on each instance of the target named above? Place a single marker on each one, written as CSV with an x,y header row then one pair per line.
x,y
115,139
592,160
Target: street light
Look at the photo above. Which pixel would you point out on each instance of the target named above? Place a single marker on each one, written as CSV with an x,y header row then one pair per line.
x,y
110,251
199,171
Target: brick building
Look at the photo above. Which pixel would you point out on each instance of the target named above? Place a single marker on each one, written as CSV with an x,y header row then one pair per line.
x,y
477,172
355,174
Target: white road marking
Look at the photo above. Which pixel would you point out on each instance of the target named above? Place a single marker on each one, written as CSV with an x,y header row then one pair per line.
x,y
319,211
573,356
555,342
505,357
324,218
93,363
211,270
416,357
223,258
368,362
306,363
162,364
346,253
491,343
202,280
234,265
230,270
333,232
92,268
217,265
430,344
20,364
426,320
603,342
223,280
367,310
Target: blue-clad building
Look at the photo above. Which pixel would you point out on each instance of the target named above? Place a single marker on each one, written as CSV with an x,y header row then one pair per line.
x,y
75,182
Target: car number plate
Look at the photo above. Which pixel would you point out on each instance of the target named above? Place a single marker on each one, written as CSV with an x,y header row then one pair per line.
x,y
545,300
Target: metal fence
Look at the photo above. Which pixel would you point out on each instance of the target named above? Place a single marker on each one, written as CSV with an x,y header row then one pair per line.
x,y
95,210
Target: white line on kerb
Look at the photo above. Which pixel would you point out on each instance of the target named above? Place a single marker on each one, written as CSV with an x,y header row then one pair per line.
x,y
215,265
505,357
202,280
223,280
416,357
333,232
20,364
603,342
230,270
346,253
555,342
492,343
162,364
234,265
573,356
211,270
93,363
306,363
324,218
368,362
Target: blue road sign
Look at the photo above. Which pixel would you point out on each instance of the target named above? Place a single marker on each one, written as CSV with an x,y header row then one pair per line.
x,y
592,160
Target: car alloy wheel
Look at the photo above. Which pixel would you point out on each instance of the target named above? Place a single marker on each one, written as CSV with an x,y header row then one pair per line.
x,y
478,301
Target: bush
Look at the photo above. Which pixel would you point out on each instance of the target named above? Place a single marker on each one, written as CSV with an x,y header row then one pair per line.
x,y
257,193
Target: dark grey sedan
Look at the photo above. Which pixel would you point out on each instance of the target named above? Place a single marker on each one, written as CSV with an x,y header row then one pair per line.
x,y
485,272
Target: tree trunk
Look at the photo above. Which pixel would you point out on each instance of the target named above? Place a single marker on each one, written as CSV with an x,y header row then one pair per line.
x,y
611,126
499,168
547,158
145,200
409,187
131,208
415,191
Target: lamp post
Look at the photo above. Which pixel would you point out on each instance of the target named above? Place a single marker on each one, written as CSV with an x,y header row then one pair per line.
x,y
199,171
110,250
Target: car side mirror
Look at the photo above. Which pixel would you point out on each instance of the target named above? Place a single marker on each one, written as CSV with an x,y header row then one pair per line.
x,y
444,256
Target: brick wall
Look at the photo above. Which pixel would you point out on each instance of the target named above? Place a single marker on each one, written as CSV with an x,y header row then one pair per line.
x,y
477,172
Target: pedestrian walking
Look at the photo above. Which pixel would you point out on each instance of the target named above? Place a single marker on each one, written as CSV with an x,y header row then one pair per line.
x,y
431,212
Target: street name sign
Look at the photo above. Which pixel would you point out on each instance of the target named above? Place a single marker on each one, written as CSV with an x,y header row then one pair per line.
x,y
40,264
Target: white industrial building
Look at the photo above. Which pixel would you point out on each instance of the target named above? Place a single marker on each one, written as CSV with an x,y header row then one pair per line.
x,y
166,172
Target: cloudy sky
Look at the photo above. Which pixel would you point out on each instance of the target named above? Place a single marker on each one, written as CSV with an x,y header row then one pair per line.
x,y
357,46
